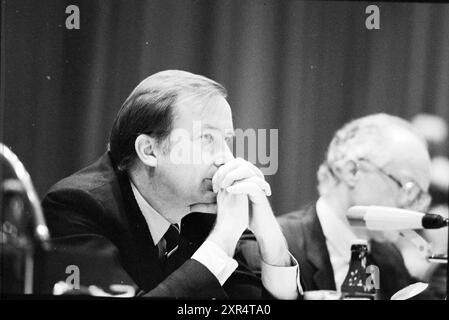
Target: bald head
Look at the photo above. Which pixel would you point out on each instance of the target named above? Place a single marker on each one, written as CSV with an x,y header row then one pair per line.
x,y
389,142
406,155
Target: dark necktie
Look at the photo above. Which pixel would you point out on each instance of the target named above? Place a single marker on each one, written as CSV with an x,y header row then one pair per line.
x,y
171,239
171,259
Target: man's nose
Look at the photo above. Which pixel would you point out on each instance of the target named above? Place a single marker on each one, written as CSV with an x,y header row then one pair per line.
x,y
223,157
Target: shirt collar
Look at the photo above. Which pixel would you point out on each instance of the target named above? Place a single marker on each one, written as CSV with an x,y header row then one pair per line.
x,y
338,233
157,224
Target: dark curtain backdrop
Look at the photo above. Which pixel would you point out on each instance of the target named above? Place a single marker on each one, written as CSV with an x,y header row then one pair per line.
x,y
304,68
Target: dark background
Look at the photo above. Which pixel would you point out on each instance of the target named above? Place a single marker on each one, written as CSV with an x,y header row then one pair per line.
x,y
304,68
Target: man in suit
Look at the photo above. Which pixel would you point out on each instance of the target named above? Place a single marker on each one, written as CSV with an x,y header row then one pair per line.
x,y
375,160
128,217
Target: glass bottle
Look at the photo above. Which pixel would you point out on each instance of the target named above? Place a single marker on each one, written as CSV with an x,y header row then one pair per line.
x,y
355,286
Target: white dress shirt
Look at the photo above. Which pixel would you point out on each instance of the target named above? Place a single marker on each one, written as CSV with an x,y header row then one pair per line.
x,y
281,282
339,238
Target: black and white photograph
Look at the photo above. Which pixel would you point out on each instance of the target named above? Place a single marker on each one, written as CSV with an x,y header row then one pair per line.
x,y
217,156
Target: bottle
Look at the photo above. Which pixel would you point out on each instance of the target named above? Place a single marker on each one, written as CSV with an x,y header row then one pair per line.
x,y
355,285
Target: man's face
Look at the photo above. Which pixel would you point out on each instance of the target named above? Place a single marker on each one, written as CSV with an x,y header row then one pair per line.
x,y
398,179
199,144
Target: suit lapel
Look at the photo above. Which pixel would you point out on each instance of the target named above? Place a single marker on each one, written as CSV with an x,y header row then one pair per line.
x,y
317,254
150,268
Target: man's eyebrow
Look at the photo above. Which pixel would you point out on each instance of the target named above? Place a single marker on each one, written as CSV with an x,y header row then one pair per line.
x,y
208,126
228,132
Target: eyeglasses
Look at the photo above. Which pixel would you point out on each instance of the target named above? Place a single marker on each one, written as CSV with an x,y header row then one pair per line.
x,y
407,187
401,185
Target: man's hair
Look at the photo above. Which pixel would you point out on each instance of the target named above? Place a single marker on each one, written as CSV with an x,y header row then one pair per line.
x,y
365,137
149,109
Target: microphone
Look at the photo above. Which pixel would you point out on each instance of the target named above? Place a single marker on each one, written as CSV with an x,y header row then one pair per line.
x,y
388,218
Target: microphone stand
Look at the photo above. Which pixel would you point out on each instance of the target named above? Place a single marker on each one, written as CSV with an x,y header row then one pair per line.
x,y
22,186
40,227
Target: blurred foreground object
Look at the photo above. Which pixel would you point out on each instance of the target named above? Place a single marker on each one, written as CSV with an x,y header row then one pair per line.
x,y
121,291
410,291
322,295
24,234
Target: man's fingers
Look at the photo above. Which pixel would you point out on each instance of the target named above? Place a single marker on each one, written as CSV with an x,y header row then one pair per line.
x,y
239,173
252,188
222,171
256,170
245,169
204,207
245,187
265,186
262,186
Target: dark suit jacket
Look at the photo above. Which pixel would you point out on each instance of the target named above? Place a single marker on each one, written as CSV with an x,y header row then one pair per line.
x,y
96,224
307,243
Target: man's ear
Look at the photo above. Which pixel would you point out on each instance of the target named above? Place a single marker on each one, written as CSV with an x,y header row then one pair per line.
x,y
144,146
349,173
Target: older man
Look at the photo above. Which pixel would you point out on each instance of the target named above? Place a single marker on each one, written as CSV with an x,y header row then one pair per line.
x,y
129,212
375,160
